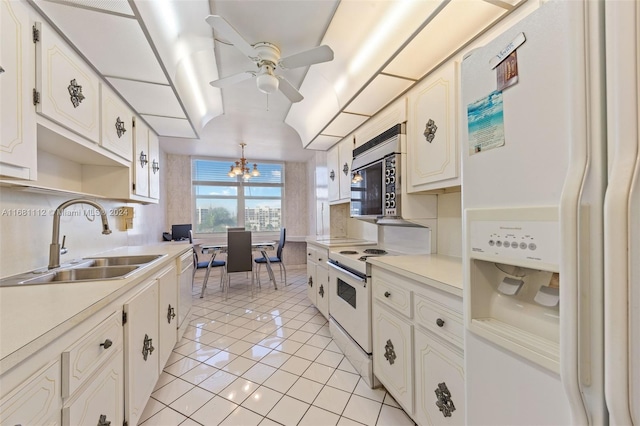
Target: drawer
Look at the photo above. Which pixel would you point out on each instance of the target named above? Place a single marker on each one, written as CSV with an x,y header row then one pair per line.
x,y
35,401
185,260
317,255
88,354
389,291
439,319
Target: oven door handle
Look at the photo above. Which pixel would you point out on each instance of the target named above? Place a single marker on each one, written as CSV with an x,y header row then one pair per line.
x,y
350,274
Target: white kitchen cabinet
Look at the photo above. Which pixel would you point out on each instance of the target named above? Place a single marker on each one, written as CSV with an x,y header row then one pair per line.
x,y
185,285
339,160
419,325
146,162
141,363
318,278
168,305
432,143
36,401
69,91
117,124
439,395
17,114
393,354
100,402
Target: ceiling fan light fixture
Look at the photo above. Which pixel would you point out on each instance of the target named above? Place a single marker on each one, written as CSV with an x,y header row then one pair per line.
x,y
267,83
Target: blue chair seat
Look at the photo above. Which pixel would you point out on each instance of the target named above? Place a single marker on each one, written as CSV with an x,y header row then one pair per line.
x,y
214,264
263,260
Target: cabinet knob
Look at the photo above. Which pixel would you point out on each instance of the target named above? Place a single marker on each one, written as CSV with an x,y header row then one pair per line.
x,y
387,294
332,175
147,346
107,344
103,421
440,322
171,313
310,282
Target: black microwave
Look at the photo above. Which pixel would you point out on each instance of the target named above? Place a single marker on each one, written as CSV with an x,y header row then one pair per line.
x,y
375,184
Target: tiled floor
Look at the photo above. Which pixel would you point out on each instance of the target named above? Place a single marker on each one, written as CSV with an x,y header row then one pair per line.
x,y
263,361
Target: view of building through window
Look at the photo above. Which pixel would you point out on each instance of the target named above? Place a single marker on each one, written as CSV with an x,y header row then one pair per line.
x,y
219,199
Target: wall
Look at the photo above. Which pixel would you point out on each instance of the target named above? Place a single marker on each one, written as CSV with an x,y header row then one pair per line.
x,y
295,209
25,238
449,237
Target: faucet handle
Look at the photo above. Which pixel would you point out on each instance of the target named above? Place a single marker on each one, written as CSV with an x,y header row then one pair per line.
x,y
63,249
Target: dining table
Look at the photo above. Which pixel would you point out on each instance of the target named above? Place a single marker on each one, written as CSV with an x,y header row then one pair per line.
x,y
262,247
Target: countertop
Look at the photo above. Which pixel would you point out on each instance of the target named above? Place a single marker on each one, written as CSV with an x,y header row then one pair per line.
x,y
34,315
443,272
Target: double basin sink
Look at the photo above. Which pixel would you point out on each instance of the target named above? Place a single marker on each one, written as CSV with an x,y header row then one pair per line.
x,y
87,269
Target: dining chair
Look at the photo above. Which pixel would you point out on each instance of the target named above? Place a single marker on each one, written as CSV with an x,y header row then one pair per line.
x,y
239,257
208,264
275,259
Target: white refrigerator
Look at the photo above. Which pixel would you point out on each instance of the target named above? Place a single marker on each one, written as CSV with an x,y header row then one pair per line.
x,y
622,214
534,173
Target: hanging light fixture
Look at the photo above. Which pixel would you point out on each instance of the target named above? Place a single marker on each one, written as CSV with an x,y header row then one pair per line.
x,y
241,167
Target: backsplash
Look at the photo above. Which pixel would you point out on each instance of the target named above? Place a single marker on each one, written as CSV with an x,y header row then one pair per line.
x,y
26,226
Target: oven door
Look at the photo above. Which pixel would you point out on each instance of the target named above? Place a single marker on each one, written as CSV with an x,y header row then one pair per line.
x,y
350,305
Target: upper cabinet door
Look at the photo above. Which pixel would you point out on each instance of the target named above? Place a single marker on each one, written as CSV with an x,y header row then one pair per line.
x,y
117,120
69,90
154,165
17,115
432,148
139,167
346,157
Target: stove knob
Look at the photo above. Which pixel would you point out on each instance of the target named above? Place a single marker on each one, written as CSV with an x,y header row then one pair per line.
x,y
392,203
387,180
393,172
388,172
387,195
392,179
387,204
392,195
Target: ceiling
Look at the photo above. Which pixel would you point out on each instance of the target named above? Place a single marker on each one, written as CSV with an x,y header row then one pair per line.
x,y
160,56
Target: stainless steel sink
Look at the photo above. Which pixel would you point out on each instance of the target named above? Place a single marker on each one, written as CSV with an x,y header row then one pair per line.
x,y
81,274
121,260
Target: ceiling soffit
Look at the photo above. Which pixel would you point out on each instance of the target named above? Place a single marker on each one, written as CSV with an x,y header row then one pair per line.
x,y
395,45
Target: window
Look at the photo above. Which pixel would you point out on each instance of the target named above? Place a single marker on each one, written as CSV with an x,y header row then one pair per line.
x,y
222,201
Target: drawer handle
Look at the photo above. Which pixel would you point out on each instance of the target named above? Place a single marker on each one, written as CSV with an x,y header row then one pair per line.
x,y
389,353
440,322
387,294
147,346
310,282
107,344
444,403
103,421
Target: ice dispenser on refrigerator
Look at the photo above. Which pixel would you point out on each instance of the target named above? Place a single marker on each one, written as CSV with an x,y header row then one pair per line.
x,y
515,282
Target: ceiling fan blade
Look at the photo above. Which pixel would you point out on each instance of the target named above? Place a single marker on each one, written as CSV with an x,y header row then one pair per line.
x,y
312,56
232,79
225,29
288,90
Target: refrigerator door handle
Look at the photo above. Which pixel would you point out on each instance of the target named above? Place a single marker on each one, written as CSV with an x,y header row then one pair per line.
x,y
623,134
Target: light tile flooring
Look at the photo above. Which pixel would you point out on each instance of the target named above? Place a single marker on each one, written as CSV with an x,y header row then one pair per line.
x,y
265,360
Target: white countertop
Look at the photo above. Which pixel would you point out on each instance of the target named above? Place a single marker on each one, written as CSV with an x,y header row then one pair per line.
x,y
32,316
443,272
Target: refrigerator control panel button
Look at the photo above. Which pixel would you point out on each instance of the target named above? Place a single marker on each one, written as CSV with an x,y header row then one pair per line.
x,y
523,246
532,246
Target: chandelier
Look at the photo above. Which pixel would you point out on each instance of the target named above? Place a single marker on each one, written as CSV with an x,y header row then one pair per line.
x,y
241,167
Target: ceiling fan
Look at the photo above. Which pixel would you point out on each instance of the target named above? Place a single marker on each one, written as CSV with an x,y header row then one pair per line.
x,y
267,58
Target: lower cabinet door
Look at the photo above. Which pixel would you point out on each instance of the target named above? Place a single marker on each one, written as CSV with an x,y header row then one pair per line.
x,y
392,355
322,286
168,307
100,403
141,354
440,389
312,290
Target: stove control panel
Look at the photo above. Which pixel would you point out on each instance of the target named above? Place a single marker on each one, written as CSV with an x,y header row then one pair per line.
x,y
391,176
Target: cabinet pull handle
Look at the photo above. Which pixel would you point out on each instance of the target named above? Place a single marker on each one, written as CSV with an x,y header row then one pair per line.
x,y
440,322
120,130
107,344
444,402
103,421
389,353
143,159
155,166
75,92
171,313
321,291
345,169
387,294
332,175
310,282
147,347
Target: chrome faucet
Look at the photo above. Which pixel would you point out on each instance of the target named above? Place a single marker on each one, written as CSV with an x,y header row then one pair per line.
x,y
54,248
